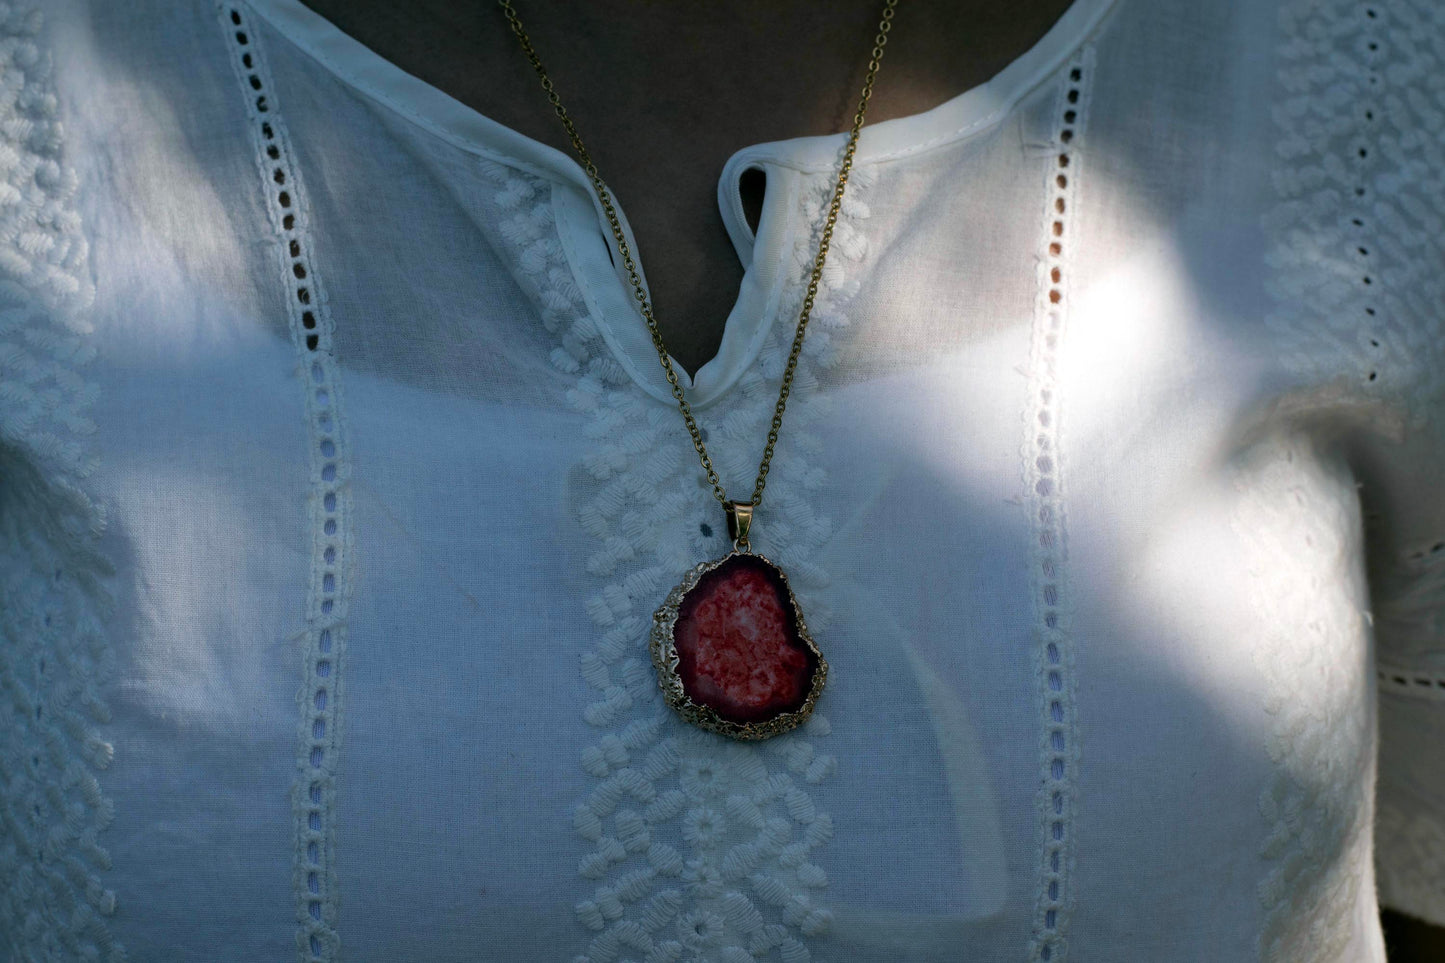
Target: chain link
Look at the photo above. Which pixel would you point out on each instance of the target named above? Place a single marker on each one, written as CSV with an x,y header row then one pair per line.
x,y
645,306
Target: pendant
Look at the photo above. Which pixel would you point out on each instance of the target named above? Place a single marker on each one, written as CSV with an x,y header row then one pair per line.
x,y
732,651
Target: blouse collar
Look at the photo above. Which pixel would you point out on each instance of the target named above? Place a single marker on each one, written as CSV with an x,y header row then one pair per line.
x,y
582,223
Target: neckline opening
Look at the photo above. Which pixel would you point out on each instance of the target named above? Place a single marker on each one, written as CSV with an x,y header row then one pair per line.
x,y
604,282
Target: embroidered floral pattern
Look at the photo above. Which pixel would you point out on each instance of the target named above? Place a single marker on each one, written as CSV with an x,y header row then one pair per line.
x,y
1354,252
55,653
700,846
1355,240
1299,524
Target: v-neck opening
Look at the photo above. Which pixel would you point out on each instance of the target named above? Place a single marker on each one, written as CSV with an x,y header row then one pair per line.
x,y
587,240
622,325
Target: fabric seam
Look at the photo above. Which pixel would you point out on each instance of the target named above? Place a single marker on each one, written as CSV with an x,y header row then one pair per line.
x,y
1043,476
319,698
568,175
1415,683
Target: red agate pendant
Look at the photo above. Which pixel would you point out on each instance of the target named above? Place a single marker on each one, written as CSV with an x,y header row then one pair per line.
x,y
732,652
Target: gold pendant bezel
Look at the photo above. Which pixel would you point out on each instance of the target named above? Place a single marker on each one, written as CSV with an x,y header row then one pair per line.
x,y
666,660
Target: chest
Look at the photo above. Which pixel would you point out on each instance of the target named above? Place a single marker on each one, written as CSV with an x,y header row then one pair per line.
x,y
423,537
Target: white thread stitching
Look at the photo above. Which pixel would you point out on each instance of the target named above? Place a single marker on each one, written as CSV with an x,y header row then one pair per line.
x,y
1298,526
1354,252
55,604
1059,749
693,836
1355,238
319,699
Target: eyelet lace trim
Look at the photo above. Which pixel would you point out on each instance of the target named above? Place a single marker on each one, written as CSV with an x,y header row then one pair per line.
x,y
1355,241
55,603
319,700
1043,477
700,847
1416,683
1299,525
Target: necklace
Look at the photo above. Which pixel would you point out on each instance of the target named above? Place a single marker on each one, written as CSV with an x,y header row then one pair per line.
x,y
732,652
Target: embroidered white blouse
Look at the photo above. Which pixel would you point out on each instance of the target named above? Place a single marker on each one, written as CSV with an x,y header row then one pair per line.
x,y
339,482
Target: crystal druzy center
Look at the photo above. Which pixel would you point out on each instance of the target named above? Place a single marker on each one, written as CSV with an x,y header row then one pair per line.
x,y
738,647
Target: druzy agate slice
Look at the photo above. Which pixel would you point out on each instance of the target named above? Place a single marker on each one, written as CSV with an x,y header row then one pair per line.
x,y
739,650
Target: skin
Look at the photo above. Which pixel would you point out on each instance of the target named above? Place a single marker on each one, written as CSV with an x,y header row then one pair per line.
x,y
663,93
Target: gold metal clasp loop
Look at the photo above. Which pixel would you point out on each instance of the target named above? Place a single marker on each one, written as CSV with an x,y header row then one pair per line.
x,y
740,522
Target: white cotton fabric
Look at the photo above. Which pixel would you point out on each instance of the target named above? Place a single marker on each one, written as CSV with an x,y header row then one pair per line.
x,y
339,482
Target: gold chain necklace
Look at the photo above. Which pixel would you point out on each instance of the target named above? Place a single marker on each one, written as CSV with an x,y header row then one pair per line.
x,y
732,652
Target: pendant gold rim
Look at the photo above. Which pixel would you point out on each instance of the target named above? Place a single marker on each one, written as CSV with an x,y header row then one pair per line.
x,y
666,660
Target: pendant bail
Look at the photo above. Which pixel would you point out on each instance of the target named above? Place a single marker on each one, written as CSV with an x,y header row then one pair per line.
x,y
740,522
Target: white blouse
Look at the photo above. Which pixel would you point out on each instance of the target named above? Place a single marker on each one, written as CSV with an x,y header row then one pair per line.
x,y
339,482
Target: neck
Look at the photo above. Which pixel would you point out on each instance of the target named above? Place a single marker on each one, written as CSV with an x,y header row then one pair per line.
x,y
663,94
